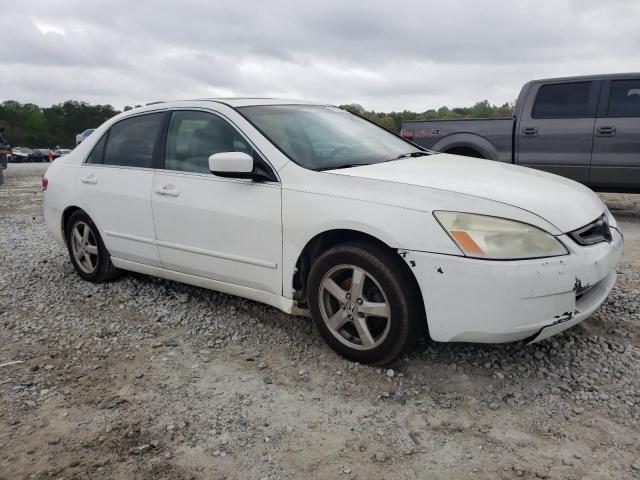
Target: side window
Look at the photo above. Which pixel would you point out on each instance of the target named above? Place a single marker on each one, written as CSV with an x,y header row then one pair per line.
x,y
563,100
97,154
131,141
194,136
624,98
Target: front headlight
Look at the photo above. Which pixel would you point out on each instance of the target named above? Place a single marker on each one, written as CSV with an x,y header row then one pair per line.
x,y
482,236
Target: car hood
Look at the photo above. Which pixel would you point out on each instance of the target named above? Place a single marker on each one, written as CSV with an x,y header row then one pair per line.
x,y
564,203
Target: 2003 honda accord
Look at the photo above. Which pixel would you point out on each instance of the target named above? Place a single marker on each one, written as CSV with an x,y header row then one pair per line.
x,y
309,208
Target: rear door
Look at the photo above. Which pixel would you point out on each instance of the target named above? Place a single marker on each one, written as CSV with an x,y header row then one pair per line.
x,y
115,187
616,145
555,131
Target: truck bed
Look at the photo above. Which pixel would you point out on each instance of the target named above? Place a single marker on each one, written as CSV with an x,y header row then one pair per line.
x,y
491,137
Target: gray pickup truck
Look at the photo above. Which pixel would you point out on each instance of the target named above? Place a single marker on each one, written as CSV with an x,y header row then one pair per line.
x,y
584,128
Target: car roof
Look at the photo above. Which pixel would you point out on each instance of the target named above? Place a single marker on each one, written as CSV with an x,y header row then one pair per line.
x,y
603,76
247,102
235,102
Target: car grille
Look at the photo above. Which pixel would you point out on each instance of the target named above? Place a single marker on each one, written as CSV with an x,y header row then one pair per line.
x,y
594,232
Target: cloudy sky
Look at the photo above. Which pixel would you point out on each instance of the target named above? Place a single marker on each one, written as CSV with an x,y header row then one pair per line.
x,y
385,55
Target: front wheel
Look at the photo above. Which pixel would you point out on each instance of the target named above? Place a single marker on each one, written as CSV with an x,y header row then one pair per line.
x,y
364,303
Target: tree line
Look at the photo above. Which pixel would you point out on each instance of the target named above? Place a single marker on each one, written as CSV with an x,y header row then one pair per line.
x,y
393,121
27,124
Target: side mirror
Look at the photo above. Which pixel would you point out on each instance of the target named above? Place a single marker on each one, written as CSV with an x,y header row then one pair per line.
x,y
231,164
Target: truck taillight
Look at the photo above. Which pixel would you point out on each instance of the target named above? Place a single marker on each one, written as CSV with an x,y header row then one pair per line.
x,y
45,183
408,134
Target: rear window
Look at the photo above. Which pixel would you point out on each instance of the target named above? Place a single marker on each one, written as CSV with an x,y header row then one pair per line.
x,y
563,100
97,154
131,141
624,98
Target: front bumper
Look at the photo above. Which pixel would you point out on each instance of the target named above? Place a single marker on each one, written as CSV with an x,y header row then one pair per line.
x,y
470,300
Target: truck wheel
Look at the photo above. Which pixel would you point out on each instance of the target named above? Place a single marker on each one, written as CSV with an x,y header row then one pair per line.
x,y
364,304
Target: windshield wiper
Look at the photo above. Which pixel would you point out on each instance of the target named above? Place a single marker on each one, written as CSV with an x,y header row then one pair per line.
x,y
409,155
341,165
349,165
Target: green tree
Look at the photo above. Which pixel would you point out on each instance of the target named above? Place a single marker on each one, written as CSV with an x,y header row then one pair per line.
x,y
58,125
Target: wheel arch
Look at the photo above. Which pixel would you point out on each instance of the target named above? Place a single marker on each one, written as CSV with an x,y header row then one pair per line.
x,y
64,219
469,142
328,239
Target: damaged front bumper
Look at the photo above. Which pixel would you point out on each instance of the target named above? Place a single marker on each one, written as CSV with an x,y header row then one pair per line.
x,y
471,300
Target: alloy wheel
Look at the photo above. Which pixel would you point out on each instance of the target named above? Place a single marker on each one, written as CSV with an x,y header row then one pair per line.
x,y
84,247
354,307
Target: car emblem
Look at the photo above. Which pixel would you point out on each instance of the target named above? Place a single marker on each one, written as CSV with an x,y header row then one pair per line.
x,y
352,308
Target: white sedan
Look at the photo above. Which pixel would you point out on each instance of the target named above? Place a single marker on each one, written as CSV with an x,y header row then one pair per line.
x,y
314,210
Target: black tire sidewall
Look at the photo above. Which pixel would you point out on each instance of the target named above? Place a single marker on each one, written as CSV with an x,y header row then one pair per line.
x,y
399,292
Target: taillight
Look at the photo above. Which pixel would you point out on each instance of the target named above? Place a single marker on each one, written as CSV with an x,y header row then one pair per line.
x,y
45,183
408,134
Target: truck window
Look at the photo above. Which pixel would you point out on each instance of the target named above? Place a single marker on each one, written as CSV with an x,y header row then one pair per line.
x,y
563,100
624,98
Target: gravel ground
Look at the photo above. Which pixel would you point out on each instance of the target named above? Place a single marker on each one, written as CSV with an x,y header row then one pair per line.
x,y
147,378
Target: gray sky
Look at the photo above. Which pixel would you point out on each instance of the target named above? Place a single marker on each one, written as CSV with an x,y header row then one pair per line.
x,y
385,55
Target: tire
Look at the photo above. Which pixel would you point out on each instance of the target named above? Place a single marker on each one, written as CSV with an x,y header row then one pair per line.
x,y
383,280
95,264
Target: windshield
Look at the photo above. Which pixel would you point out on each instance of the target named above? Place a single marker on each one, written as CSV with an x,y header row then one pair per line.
x,y
322,138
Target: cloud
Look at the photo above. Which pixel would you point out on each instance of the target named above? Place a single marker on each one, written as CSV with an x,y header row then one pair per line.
x,y
384,55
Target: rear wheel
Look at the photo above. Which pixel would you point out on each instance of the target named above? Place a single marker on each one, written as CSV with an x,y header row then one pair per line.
x,y
364,303
88,254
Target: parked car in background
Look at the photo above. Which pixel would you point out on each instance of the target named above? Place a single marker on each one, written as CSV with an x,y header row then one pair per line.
x,y
61,152
314,210
21,154
82,136
39,155
583,128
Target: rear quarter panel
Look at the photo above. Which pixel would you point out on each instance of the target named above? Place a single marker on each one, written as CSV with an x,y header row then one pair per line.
x,y
59,195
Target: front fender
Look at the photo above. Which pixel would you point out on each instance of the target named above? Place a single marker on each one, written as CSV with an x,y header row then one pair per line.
x,y
306,215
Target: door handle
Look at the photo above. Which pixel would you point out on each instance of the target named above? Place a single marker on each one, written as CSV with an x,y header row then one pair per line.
x,y
91,179
530,132
606,131
167,190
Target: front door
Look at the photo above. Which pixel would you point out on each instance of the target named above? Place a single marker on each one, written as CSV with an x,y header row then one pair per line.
x,y
225,229
555,130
